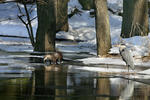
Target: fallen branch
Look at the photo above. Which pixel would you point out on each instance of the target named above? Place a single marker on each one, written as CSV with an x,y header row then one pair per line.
x,y
75,11
14,36
19,1
119,13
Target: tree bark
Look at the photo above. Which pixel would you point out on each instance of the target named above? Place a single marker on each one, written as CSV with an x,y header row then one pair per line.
x,y
135,18
46,31
87,4
61,15
102,28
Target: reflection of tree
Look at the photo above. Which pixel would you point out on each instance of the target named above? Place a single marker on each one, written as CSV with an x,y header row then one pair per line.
x,y
50,83
81,87
103,88
11,89
61,83
141,92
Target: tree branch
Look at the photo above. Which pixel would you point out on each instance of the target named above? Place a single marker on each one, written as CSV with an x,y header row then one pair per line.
x,y
30,25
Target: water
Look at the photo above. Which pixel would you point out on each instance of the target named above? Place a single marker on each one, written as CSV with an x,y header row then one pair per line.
x,y
23,76
63,82
56,83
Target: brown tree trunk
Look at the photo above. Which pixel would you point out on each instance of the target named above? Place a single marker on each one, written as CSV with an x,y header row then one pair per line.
x,y
61,15
87,4
135,18
46,31
102,28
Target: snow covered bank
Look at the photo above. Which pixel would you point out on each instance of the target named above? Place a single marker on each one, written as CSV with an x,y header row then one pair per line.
x,y
81,27
112,61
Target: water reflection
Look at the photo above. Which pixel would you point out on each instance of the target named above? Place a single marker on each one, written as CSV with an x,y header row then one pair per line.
x,y
50,83
14,89
127,92
103,88
57,82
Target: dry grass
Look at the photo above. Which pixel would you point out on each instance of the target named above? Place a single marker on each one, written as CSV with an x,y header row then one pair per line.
x,y
146,58
117,73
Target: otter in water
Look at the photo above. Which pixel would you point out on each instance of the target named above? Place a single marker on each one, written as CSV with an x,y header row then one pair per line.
x,y
54,58
58,57
49,58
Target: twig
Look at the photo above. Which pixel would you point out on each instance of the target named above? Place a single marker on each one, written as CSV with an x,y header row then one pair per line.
x,y
33,19
26,27
119,13
22,20
30,25
31,9
19,9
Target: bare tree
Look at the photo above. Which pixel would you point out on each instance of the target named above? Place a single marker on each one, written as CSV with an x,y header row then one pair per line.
x,y
102,28
135,18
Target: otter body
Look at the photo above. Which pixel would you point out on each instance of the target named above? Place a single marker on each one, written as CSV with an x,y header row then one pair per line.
x,y
54,58
58,57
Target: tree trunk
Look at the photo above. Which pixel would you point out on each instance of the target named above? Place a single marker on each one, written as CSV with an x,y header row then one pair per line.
x,y
102,28
46,31
135,18
61,15
87,4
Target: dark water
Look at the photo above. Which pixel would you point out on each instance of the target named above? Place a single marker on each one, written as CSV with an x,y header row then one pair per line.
x,y
57,83
63,82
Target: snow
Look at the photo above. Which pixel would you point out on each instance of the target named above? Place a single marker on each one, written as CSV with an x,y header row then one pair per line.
x,y
81,27
115,5
9,22
145,71
96,69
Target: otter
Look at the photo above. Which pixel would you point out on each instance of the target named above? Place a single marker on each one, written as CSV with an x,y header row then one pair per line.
x,y
58,57
50,58
54,58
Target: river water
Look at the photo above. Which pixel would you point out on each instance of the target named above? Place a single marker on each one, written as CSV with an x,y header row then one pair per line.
x,y
24,76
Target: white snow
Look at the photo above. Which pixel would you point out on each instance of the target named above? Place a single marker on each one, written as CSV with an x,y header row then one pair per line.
x,y
94,60
145,71
81,27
